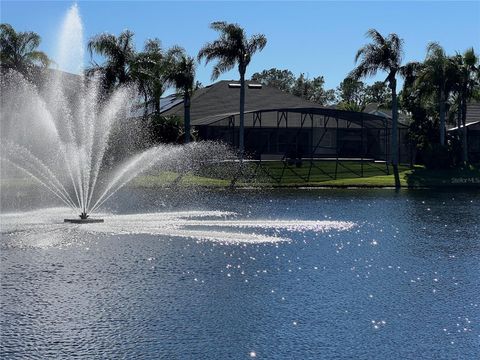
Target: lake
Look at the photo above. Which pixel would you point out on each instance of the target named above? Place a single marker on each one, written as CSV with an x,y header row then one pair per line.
x,y
277,274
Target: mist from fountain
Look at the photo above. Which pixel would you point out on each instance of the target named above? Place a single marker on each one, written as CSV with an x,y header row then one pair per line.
x,y
59,133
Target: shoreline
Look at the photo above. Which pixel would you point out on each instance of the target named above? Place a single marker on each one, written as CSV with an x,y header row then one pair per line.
x,y
412,179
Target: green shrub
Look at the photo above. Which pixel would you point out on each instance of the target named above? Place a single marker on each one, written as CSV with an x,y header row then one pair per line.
x,y
436,156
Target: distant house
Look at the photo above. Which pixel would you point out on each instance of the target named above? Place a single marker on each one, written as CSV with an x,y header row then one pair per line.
x,y
281,125
473,131
376,109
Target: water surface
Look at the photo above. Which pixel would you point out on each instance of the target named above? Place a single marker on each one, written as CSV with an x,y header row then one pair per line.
x,y
299,274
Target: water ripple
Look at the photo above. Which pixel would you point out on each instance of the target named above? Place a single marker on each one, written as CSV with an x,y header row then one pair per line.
x,y
42,228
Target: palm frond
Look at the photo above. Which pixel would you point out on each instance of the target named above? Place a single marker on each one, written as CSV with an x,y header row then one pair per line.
x,y
104,44
218,25
410,70
39,57
231,47
396,49
153,46
376,37
383,54
435,49
18,50
256,43
222,66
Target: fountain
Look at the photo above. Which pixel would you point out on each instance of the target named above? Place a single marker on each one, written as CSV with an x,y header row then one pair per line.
x,y
83,219
77,143
59,133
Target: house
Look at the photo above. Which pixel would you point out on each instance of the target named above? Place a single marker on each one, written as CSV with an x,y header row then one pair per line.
x,y
376,109
472,124
281,125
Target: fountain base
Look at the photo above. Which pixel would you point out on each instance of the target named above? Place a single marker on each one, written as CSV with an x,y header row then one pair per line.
x,y
83,221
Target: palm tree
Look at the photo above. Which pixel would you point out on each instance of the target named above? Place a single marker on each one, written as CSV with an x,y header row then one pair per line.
x,y
18,50
182,75
415,105
231,48
437,78
383,54
149,70
139,70
466,84
119,53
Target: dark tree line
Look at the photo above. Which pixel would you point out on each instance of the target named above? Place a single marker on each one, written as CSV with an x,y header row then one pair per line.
x,y
351,94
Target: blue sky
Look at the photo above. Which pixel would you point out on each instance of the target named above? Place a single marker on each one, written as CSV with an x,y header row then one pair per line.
x,y
316,38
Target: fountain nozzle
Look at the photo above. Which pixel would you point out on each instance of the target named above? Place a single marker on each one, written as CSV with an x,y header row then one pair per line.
x,y
84,219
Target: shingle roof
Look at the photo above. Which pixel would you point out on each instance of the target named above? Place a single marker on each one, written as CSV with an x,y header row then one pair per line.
x,y
221,100
45,77
376,109
473,111
473,116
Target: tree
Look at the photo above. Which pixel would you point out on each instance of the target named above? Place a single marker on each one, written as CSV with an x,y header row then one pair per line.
x,y
18,51
182,74
318,93
141,70
151,70
165,129
231,48
352,94
378,93
147,69
384,54
437,78
120,55
279,79
421,129
466,86
313,90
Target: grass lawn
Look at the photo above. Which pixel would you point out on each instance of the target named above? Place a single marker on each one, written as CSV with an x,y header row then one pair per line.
x,y
322,174
325,173
169,178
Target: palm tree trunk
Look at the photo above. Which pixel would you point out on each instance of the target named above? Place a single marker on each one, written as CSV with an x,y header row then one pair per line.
x,y
442,117
157,107
459,118
393,86
186,116
241,145
465,133
459,126
145,99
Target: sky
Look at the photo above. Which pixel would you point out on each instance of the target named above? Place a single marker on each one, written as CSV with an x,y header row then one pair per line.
x,y
311,37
